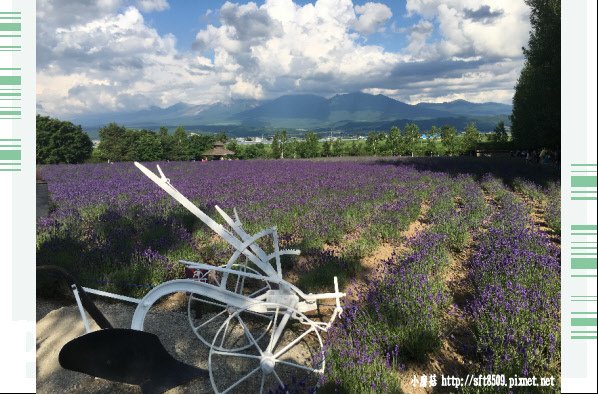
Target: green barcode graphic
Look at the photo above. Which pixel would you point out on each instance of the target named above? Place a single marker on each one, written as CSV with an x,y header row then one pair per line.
x,y
10,155
583,250
10,27
10,93
584,324
583,182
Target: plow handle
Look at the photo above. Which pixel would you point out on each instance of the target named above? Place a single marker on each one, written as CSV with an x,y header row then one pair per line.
x,y
88,304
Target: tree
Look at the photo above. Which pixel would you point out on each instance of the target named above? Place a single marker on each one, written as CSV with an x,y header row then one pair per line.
x,y
411,137
337,147
326,149
310,146
115,143
356,148
500,133
448,136
199,143
255,151
431,148
148,147
536,117
374,144
393,141
279,142
471,137
167,144
60,142
180,145
234,147
221,136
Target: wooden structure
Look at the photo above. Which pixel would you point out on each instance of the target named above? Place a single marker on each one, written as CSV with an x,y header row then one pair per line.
x,y
218,151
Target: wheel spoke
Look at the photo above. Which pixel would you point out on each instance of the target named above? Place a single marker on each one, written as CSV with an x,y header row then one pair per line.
x,y
262,384
209,320
249,336
280,381
265,316
231,354
290,364
242,380
208,302
290,345
258,291
224,334
278,332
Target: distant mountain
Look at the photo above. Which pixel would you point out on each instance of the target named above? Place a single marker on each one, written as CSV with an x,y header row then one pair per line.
x,y
465,108
351,111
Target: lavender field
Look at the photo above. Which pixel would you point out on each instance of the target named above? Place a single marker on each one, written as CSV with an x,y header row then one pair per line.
x,y
453,265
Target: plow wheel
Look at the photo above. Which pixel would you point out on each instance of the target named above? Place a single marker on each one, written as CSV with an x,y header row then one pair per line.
x,y
288,359
207,315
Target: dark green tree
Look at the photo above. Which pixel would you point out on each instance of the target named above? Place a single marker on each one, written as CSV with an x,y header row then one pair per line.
x,y
411,137
500,133
309,147
167,143
148,147
326,149
375,143
221,136
337,147
393,142
356,149
116,143
199,143
471,137
255,151
60,142
233,146
180,145
536,117
431,147
448,136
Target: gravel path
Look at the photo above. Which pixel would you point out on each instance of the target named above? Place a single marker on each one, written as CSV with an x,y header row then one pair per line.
x,y
59,323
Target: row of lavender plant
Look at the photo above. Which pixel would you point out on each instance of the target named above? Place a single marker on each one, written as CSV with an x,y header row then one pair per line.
x,y
549,197
399,317
516,275
105,216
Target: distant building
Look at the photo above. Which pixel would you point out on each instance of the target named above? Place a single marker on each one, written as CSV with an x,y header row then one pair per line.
x,y
252,140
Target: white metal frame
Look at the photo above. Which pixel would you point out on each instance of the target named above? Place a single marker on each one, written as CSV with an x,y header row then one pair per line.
x,y
279,295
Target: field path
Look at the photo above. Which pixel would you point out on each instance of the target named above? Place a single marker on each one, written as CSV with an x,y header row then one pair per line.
x,y
538,207
373,264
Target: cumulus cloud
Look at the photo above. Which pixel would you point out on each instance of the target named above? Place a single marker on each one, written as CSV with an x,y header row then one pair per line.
x,y
484,14
103,55
468,28
371,17
152,5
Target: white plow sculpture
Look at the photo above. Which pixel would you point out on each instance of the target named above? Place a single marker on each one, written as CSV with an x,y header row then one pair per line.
x,y
251,318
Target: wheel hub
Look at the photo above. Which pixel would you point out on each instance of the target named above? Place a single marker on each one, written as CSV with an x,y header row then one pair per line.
x,y
267,363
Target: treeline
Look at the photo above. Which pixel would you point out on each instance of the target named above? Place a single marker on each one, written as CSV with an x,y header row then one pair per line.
x,y
118,143
536,118
62,142
410,141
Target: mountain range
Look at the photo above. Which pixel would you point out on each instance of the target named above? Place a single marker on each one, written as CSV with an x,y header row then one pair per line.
x,y
352,112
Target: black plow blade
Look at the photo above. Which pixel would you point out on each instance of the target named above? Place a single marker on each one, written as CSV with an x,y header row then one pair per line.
x,y
127,356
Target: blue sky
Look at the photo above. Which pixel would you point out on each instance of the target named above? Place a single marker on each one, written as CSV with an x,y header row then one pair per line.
x,y
112,55
185,19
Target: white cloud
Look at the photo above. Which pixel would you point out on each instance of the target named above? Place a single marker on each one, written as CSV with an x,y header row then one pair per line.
x,y
152,5
371,17
497,28
102,55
